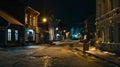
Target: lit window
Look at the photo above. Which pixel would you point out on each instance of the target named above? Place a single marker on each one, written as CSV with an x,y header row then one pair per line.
x,y
34,21
9,34
85,36
16,35
26,18
30,20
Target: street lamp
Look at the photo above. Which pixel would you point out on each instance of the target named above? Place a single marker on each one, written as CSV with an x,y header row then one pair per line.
x,y
44,20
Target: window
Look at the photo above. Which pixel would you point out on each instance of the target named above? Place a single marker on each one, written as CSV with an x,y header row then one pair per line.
x,y
34,21
9,34
26,18
112,4
85,36
118,4
30,20
16,35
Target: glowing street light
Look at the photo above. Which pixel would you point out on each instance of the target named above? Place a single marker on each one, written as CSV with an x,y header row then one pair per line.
x,y
64,30
44,20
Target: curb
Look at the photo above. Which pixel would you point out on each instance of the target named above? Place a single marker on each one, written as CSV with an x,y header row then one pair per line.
x,y
90,54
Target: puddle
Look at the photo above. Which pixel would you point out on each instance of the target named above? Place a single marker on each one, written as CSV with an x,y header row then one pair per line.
x,y
47,60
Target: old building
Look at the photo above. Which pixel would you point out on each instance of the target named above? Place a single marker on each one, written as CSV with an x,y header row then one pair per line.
x,y
54,30
108,22
31,24
19,14
10,30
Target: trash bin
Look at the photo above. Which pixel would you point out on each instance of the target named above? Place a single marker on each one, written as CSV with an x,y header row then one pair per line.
x,y
85,47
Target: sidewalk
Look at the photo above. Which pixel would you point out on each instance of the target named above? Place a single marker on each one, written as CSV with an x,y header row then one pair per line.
x,y
103,55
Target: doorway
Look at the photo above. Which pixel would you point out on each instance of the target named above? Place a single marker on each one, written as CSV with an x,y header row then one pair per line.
x,y
30,35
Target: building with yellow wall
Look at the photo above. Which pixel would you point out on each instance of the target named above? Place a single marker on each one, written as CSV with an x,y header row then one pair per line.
x,y
108,21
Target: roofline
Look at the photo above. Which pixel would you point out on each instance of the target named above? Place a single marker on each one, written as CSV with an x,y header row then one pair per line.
x,y
28,7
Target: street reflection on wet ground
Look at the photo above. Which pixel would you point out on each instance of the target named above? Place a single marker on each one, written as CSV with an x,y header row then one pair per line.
x,y
53,56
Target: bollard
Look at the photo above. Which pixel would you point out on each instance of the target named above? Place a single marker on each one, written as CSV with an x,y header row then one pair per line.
x,y
85,47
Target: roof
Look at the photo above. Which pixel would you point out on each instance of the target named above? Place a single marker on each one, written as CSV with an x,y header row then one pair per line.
x,y
28,7
10,19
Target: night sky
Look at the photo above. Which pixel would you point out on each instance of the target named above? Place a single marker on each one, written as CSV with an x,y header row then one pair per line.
x,y
71,12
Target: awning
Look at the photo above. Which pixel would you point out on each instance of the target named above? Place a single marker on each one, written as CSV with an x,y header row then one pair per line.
x,y
10,19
